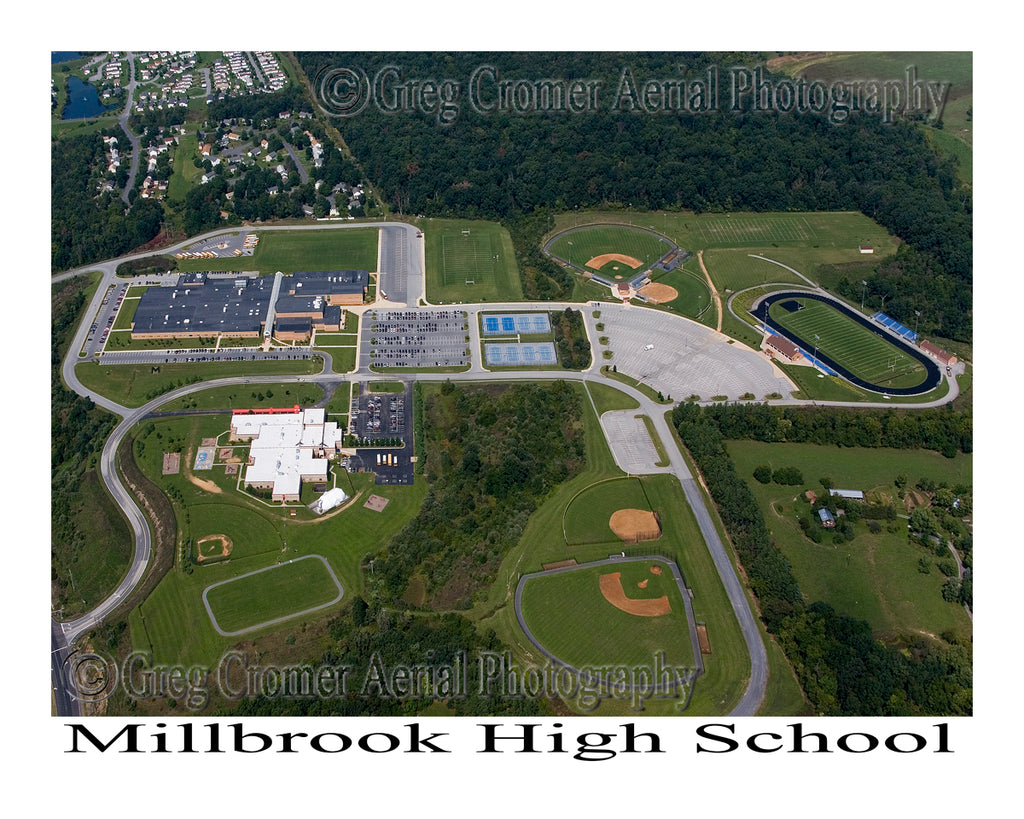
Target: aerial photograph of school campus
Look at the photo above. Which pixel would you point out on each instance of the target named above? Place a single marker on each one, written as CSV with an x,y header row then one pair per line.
x,y
511,383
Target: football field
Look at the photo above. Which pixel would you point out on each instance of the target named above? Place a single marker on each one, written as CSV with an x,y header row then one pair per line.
x,y
866,355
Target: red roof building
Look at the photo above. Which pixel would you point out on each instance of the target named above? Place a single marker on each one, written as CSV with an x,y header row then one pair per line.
x,y
938,353
780,346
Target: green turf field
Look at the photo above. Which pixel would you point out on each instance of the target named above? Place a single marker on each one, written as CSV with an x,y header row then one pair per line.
x,y
578,247
276,591
571,618
300,250
874,577
587,514
863,353
470,261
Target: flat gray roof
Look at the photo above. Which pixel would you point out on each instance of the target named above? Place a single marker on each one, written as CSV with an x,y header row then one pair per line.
x,y
218,306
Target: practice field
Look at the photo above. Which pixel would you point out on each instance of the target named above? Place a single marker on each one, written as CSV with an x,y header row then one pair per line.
x,y
570,616
470,261
605,245
291,251
587,517
266,595
864,354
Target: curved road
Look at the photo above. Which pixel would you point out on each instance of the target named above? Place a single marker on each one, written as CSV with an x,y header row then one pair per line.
x,y
400,240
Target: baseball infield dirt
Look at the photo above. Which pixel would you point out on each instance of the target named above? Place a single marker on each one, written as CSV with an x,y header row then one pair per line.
x,y
611,588
600,261
634,525
213,551
658,293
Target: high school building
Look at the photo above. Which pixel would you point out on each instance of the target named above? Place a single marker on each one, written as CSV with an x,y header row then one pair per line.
x,y
206,306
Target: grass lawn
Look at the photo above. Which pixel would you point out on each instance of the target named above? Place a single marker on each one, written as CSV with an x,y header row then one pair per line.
x,y
570,617
242,397
252,532
578,247
606,398
300,250
873,577
341,401
470,261
185,172
276,591
343,358
134,384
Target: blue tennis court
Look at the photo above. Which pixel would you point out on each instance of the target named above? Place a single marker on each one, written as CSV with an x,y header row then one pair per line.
x,y
520,355
521,323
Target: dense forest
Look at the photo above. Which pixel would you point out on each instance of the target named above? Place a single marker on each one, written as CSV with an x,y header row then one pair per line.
x,y
843,669
942,430
492,454
501,164
85,228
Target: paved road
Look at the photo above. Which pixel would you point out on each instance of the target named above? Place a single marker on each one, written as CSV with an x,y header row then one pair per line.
x,y
123,119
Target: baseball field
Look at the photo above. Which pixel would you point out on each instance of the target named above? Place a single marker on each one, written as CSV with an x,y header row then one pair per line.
x,y
613,250
572,616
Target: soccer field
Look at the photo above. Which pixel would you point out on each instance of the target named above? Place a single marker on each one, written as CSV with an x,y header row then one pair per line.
x,y
864,354
469,258
470,262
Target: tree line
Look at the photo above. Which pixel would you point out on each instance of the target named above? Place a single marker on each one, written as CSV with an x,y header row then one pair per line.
x,y
943,430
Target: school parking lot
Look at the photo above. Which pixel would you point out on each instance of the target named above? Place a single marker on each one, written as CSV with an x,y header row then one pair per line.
x,y
417,339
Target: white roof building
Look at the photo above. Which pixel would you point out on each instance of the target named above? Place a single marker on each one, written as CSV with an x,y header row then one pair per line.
x,y
287,448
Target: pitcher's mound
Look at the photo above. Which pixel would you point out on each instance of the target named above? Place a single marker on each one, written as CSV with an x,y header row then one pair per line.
x,y
634,525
